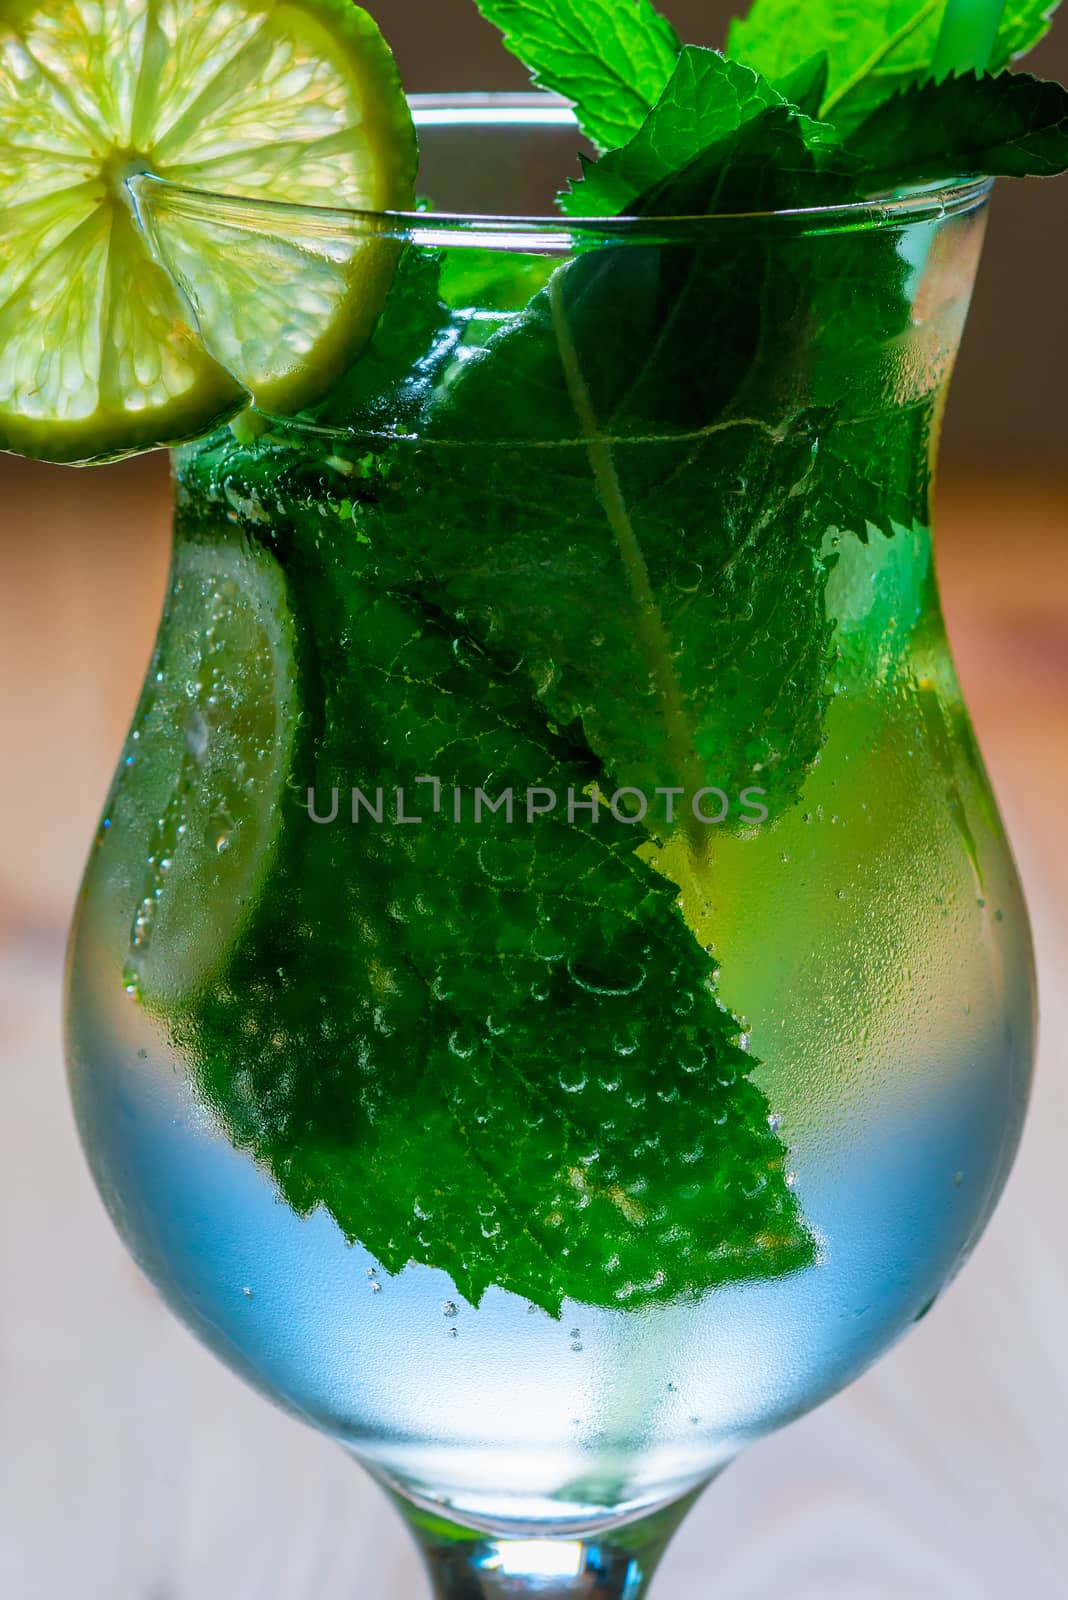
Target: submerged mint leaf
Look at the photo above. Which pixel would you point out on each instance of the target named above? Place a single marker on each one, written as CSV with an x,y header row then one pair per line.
x,y
1010,126
612,58
875,50
682,664
875,472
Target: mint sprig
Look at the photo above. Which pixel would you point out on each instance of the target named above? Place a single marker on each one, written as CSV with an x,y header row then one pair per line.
x,y
866,100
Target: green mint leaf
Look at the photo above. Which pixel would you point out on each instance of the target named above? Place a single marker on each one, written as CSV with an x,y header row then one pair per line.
x,y
1011,126
612,58
777,160
806,86
706,99
875,50
721,138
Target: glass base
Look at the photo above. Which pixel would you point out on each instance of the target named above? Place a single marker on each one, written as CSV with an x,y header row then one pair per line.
x,y
615,1565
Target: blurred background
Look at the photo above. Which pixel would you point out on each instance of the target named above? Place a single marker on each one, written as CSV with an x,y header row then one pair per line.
x,y
133,1467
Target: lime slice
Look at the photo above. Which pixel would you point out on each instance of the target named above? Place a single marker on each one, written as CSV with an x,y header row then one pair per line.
x,y
133,312
199,801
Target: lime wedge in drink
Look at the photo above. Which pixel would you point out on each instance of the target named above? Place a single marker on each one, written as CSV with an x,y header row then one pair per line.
x,y
134,312
194,830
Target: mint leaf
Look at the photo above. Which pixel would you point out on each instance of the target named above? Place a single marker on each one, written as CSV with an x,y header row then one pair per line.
x,y
706,98
1012,126
612,58
721,138
777,160
806,86
875,49
877,37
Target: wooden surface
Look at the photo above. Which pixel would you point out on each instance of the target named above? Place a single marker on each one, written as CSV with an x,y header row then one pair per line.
x,y
133,1467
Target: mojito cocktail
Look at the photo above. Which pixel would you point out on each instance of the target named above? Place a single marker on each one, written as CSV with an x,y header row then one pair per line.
x,y
550,1000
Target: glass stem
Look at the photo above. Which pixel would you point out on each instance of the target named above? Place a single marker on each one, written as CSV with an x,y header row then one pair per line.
x,y
615,1565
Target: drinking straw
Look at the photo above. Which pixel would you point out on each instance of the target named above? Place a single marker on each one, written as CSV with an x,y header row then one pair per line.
x,y
966,42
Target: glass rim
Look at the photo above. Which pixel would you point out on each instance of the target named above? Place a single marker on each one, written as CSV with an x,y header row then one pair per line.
x,y
560,234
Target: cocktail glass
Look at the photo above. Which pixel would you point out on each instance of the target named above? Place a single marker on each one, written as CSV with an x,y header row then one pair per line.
x,y
551,999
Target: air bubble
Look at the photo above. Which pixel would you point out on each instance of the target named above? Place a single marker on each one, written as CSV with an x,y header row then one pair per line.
x,y
687,576
691,1058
